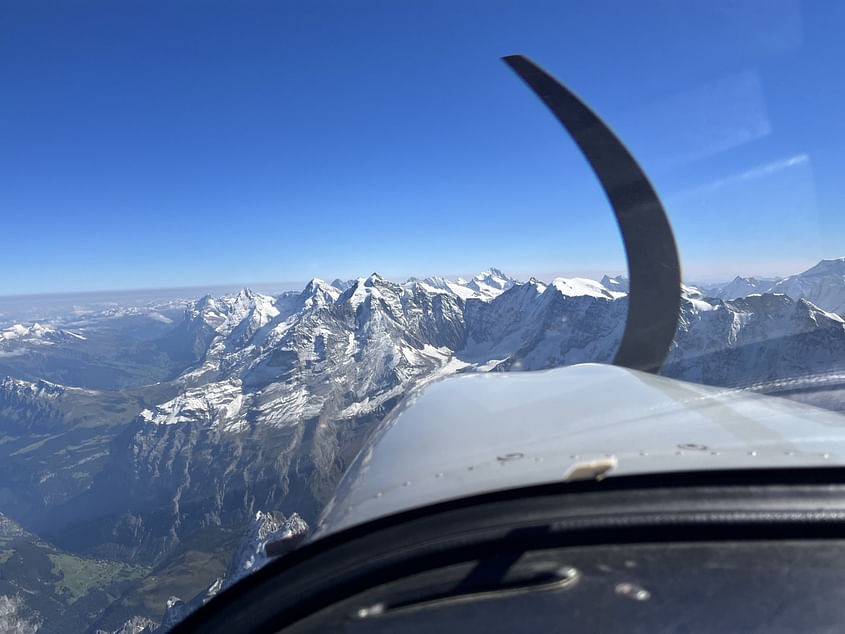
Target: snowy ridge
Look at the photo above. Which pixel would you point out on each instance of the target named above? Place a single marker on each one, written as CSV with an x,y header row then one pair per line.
x,y
762,336
484,286
273,361
238,315
490,283
217,404
268,360
342,285
319,293
582,287
36,334
742,286
84,313
226,324
822,284
618,283
41,395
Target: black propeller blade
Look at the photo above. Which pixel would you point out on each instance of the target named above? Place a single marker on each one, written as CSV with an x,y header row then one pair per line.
x,y
654,300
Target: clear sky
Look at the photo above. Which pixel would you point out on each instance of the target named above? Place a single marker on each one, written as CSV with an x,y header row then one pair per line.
x,y
163,143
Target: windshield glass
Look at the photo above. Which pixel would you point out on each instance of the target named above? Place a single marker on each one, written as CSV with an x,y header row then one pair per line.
x,y
237,235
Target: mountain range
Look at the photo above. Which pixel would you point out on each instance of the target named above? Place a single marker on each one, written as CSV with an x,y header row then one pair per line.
x,y
150,434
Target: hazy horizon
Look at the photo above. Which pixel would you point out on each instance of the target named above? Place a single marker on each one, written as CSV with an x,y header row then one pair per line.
x,y
320,139
26,307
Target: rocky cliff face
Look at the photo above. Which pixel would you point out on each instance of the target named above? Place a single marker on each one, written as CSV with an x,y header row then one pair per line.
x,y
12,621
136,625
251,554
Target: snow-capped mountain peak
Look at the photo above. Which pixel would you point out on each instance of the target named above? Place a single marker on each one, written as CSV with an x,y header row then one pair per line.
x,y
490,283
834,266
579,286
484,286
618,283
342,285
318,293
742,286
225,313
822,284
495,277
37,334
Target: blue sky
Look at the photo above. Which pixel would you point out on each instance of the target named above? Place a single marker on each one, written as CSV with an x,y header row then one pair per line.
x,y
150,144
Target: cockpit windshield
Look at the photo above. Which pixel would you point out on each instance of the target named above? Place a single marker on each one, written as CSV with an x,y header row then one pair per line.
x,y
241,241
